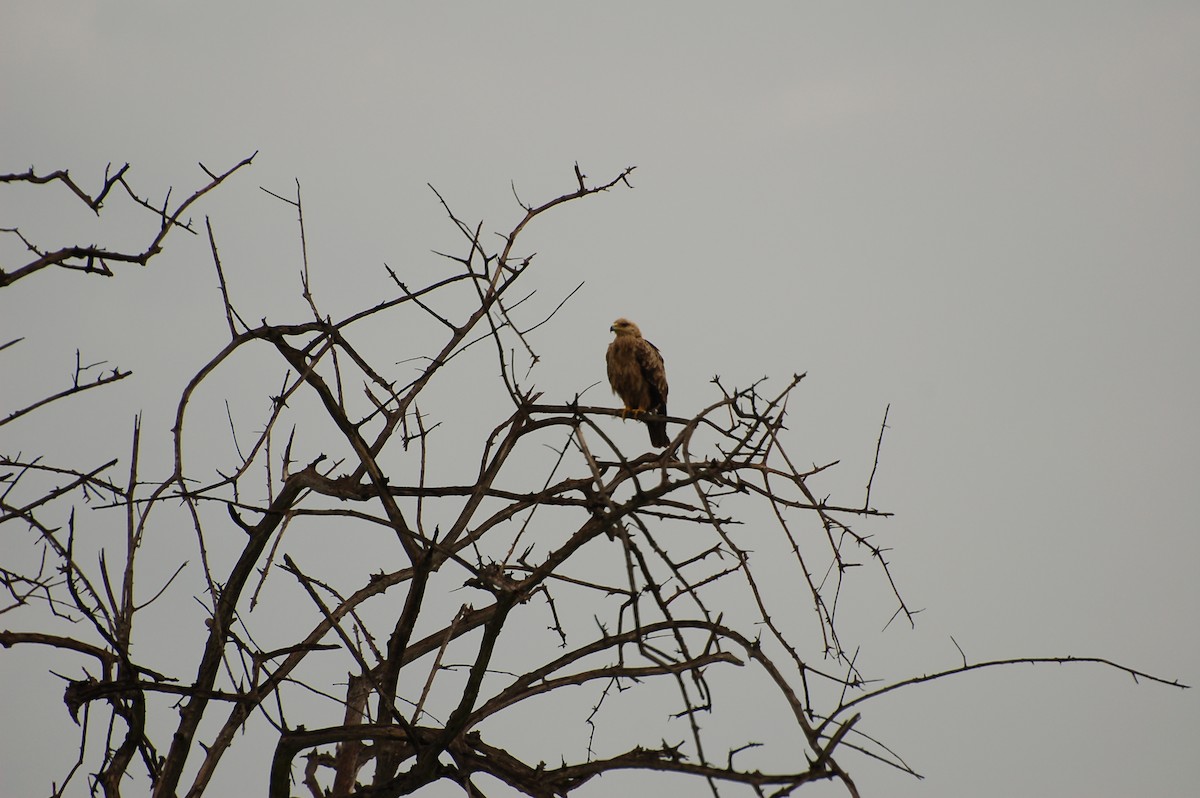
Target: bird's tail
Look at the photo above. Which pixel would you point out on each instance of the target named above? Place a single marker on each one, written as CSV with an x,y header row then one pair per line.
x,y
658,433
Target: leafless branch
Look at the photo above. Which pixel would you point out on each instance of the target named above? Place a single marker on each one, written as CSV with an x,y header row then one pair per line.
x,y
467,576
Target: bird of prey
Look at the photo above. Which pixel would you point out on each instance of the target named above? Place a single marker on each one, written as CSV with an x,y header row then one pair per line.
x,y
637,374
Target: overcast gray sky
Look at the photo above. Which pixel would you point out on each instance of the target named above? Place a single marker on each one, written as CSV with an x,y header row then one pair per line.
x,y
984,214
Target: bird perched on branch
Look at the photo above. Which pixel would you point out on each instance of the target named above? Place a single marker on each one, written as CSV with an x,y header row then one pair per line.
x,y
638,375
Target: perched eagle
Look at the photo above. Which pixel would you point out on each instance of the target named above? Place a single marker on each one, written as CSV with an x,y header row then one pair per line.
x,y
637,374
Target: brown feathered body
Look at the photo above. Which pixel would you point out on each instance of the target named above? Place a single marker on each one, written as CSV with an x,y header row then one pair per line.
x,y
638,375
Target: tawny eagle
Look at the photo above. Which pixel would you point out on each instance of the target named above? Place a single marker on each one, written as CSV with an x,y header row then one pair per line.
x,y
637,374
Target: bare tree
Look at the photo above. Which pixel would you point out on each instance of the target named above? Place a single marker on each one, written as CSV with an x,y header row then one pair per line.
x,y
582,566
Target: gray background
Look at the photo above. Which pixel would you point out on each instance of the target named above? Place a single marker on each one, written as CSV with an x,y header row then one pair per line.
x,y
983,214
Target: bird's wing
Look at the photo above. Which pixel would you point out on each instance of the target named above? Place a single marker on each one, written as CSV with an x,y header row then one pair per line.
x,y
654,372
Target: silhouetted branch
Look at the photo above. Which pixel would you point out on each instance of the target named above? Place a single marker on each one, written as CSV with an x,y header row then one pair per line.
x,y
464,576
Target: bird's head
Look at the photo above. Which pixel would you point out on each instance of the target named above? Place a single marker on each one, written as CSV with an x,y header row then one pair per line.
x,y
625,327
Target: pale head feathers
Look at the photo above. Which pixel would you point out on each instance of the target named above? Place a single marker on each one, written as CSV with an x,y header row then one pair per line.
x,y
625,327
